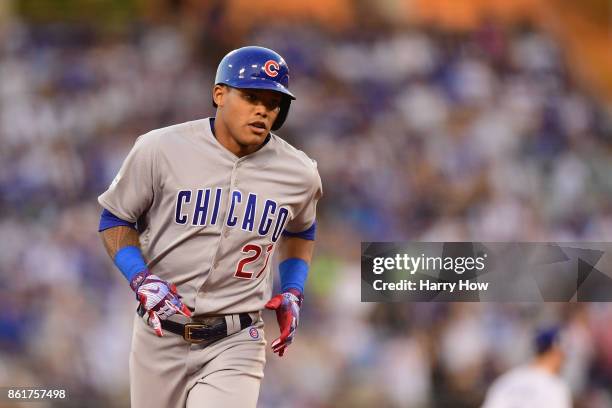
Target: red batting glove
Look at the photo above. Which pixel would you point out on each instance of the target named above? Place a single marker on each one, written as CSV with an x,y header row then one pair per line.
x,y
159,298
287,306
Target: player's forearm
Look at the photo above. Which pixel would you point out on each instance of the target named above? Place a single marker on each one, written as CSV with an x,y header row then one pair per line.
x,y
293,247
119,237
295,257
122,244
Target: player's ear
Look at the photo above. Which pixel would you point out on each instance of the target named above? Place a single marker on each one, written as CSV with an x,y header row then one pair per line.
x,y
219,92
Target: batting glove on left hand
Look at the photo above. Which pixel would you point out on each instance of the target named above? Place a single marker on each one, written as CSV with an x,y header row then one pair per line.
x,y
287,306
160,300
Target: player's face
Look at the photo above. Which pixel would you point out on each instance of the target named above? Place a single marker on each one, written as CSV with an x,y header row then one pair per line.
x,y
248,114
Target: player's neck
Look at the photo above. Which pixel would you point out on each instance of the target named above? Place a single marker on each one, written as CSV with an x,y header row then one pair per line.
x,y
226,140
548,364
237,149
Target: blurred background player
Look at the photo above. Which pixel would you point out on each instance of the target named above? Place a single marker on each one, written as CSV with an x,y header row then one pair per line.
x,y
537,384
492,123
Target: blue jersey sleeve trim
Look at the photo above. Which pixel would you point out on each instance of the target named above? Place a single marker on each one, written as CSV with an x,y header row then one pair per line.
x,y
293,274
110,220
308,234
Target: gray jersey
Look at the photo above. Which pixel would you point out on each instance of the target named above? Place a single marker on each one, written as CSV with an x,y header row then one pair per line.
x,y
210,222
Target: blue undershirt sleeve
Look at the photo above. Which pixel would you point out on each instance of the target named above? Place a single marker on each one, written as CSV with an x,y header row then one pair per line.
x,y
110,220
308,234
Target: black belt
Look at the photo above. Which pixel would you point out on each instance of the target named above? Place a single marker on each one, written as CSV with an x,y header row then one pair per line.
x,y
207,329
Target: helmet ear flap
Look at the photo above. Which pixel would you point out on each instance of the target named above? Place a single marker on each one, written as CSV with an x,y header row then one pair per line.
x,y
282,115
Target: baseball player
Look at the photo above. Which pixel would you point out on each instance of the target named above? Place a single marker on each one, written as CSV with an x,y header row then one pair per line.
x,y
193,219
535,385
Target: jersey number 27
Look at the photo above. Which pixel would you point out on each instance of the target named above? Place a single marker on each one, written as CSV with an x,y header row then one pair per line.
x,y
255,252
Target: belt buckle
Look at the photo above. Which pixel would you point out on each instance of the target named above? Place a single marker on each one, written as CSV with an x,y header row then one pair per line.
x,y
187,332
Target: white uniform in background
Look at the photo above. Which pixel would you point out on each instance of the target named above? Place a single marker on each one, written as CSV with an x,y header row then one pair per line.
x,y
528,387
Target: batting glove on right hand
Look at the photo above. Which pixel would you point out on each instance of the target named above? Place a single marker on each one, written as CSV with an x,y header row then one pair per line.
x,y
159,299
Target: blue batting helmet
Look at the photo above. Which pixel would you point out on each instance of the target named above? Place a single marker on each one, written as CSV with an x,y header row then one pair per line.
x,y
257,68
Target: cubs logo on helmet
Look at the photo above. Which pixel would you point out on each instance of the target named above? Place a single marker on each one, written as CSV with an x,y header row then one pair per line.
x,y
271,68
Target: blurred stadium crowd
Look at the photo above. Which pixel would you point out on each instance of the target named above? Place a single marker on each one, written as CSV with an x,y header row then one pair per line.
x,y
419,134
